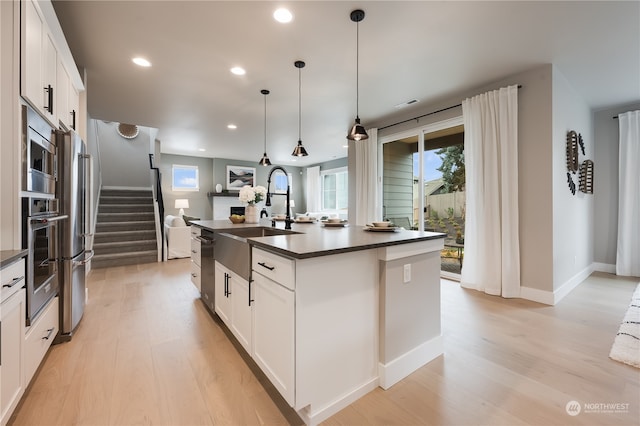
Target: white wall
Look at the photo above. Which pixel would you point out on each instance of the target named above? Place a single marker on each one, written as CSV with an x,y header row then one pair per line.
x,y
605,185
573,222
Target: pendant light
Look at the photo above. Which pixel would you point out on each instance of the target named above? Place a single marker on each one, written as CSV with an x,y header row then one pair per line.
x,y
299,150
264,161
357,132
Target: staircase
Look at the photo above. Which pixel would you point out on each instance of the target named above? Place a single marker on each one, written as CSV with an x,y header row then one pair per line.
x,y
125,230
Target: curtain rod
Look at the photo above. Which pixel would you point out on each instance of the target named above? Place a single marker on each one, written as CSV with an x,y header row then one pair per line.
x,y
427,114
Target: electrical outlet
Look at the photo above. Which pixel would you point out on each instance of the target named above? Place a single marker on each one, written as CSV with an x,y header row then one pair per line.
x,y
407,273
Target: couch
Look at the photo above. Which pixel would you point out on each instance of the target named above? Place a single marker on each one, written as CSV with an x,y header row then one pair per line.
x,y
177,237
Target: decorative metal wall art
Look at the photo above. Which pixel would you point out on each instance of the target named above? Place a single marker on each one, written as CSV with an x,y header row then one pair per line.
x,y
585,176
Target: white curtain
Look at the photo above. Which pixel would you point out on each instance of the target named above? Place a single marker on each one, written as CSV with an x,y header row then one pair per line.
x,y
492,247
314,203
367,179
628,252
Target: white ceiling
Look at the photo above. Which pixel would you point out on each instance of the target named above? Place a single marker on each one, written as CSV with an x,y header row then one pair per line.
x,y
408,50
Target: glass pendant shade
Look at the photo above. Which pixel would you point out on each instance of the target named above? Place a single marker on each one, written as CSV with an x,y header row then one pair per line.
x,y
357,132
299,150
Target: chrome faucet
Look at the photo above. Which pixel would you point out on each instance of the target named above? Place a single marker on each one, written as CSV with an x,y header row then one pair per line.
x,y
287,220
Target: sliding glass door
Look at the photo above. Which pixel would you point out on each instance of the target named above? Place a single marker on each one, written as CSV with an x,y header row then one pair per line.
x,y
423,185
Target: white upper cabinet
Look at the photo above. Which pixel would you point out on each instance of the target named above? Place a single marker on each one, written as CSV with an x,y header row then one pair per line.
x,y
47,82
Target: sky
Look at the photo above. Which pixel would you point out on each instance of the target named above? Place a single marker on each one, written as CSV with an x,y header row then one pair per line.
x,y
431,162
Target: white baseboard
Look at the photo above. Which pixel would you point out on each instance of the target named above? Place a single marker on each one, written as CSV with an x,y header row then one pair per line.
x,y
552,298
312,419
604,267
396,370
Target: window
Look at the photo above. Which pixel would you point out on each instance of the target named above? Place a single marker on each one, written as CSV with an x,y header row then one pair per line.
x,y
184,178
335,189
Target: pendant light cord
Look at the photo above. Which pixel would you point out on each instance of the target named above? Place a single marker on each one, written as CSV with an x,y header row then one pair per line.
x,y
299,104
265,123
357,69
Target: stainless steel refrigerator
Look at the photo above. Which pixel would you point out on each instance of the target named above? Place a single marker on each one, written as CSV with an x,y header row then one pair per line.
x,y
72,191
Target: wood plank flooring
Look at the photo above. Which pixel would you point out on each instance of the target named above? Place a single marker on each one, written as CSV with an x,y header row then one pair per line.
x,y
148,352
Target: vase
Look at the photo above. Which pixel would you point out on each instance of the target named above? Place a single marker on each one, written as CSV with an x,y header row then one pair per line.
x,y
218,188
251,214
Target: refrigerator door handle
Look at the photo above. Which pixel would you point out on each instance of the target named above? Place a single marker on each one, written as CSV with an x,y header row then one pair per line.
x,y
87,257
88,198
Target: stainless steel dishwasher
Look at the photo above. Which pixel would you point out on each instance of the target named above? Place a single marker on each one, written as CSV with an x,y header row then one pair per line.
x,y
207,268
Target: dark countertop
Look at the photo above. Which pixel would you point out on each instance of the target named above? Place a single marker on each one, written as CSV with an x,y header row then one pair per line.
x,y
9,256
315,240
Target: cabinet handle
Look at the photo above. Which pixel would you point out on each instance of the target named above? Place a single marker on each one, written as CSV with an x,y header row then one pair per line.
x,y
228,291
250,299
49,91
194,275
73,119
49,332
264,265
193,251
13,282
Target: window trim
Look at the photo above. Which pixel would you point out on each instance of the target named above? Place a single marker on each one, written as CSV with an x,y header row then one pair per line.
x,y
175,167
323,173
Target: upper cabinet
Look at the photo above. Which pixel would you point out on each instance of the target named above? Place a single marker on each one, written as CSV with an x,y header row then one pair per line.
x,y
49,81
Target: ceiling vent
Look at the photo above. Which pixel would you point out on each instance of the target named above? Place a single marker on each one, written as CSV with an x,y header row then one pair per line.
x,y
406,104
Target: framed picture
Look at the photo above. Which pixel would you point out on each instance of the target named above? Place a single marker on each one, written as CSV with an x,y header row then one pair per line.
x,y
280,182
239,176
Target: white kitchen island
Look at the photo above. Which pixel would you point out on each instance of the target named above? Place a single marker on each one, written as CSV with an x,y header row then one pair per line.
x,y
337,312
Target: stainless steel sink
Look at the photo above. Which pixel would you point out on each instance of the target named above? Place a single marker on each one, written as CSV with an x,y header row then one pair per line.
x,y
233,250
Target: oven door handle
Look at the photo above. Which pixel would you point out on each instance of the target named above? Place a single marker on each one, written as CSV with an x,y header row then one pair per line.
x,y
87,257
49,219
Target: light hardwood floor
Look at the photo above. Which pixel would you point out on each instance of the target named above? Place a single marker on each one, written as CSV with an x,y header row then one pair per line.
x,y
148,352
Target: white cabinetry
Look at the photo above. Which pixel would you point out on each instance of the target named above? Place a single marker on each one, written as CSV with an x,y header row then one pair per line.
x,y
39,337
223,301
13,317
232,304
39,61
48,78
196,255
273,334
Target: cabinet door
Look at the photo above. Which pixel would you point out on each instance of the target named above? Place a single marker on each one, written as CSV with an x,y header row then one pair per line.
x,y
273,334
12,381
223,301
31,55
241,312
62,95
49,72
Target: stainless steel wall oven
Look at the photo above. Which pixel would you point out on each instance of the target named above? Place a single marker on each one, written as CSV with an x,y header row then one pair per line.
x,y
40,238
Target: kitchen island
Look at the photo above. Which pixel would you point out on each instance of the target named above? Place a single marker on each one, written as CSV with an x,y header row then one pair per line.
x,y
331,313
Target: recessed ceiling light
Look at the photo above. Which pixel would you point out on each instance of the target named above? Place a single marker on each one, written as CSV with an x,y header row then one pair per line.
x,y
141,62
231,126
238,71
201,149
407,103
282,15
345,146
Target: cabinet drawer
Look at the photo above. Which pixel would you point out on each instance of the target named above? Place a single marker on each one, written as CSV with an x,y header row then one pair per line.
x,y
275,267
39,337
196,252
195,231
196,276
12,275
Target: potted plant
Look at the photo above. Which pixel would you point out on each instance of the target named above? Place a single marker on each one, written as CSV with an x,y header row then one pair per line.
x,y
252,196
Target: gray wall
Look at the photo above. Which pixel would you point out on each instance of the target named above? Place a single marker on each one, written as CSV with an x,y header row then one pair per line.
x,y
573,225
605,185
277,201
125,162
199,203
